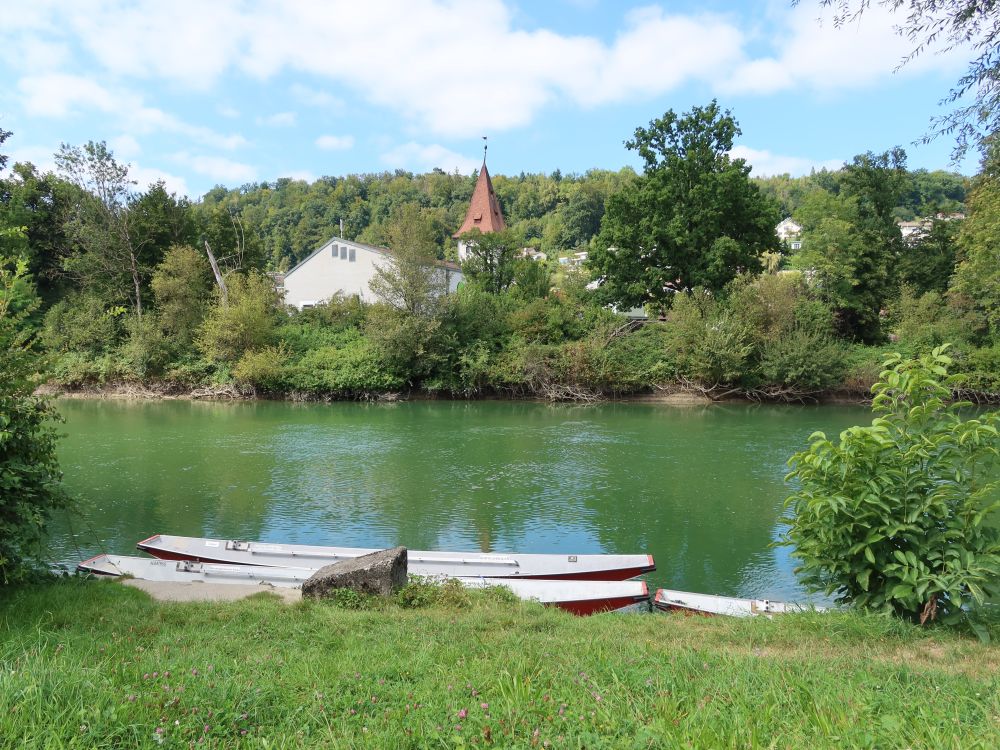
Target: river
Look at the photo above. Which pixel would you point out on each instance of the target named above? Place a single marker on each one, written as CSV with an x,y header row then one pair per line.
x,y
700,488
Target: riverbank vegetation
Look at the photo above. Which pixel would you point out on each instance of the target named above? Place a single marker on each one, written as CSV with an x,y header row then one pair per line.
x,y
149,290
97,664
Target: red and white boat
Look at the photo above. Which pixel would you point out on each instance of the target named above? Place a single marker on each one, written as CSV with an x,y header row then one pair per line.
x,y
451,564
688,602
578,597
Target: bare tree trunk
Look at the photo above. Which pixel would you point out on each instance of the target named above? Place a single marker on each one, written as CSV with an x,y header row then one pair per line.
x,y
218,275
133,264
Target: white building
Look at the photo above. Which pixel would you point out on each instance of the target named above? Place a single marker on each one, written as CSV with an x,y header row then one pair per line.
x,y
790,231
345,267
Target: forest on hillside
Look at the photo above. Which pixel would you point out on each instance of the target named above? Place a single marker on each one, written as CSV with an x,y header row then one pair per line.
x,y
118,286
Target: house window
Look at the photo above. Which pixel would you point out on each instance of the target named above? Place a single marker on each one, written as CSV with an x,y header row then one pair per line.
x,y
335,251
796,246
351,255
343,252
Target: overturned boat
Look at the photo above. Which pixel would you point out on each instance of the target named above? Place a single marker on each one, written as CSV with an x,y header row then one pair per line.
x,y
578,597
450,564
689,602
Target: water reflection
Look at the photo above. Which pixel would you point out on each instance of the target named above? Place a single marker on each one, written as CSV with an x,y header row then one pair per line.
x,y
699,488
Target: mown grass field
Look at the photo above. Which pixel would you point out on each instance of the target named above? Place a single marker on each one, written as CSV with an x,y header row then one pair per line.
x,y
98,665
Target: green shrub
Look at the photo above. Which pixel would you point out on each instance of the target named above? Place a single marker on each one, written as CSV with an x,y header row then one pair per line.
x,y
146,350
351,370
264,369
981,370
245,322
902,516
927,321
82,323
30,486
802,361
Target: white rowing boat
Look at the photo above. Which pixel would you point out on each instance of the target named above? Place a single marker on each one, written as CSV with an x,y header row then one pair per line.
x,y
709,604
451,564
578,597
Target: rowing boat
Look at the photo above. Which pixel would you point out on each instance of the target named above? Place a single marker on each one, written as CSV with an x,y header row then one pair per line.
x,y
667,600
578,597
452,564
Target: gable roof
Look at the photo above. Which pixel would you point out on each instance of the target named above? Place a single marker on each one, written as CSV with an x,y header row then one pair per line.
x,y
446,264
484,208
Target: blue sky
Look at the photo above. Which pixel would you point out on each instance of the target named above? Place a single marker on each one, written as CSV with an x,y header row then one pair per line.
x,y
200,94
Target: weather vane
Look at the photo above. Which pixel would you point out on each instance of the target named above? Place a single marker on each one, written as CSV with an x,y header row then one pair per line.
x,y
485,146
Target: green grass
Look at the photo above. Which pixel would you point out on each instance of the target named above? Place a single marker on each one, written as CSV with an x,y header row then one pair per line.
x,y
99,665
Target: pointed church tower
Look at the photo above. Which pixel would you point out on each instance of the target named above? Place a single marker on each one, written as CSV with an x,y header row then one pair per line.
x,y
484,211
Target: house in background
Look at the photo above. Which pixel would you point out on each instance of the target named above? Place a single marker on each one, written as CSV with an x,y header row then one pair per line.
x,y
346,267
789,231
484,212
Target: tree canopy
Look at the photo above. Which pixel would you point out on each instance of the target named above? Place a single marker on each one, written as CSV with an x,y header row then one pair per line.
x,y
694,218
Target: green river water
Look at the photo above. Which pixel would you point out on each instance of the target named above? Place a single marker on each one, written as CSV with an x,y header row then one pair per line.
x,y
700,488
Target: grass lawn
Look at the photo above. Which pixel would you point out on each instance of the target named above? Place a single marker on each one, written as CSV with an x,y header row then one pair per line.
x,y
99,665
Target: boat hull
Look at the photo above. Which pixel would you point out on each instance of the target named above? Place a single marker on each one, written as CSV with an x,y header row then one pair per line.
x,y
577,597
437,563
708,605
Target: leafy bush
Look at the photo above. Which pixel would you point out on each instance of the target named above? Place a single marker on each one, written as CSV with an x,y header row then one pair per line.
x,y
246,322
802,360
902,516
981,370
353,369
146,350
926,321
82,323
29,471
263,369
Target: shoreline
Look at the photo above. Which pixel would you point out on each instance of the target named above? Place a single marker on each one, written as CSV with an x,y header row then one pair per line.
x,y
666,395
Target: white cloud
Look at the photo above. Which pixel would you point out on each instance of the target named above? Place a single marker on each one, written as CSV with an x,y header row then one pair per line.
x,y
59,95
228,111
335,142
315,97
278,120
453,68
766,163
217,168
125,146
812,53
43,157
146,176
423,158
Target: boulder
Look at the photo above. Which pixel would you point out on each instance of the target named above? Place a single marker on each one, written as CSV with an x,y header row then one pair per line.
x,y
377,573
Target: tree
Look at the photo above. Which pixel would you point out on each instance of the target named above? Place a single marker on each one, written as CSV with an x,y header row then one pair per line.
x,y
30,486
103,223
902,516
694,218
927,264
247,323
41,204
944,25
181,287
976,283
410,280
852,243
491,259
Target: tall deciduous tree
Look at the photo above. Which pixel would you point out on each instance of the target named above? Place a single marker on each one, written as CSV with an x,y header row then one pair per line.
x,y
410,280
693,219
103,223
491,258
976,283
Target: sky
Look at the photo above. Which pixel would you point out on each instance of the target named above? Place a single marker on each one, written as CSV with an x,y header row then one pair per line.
x,y
231,92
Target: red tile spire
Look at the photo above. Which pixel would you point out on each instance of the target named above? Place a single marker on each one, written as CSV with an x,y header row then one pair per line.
x,y
484,209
